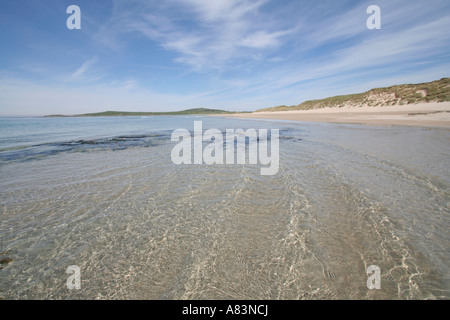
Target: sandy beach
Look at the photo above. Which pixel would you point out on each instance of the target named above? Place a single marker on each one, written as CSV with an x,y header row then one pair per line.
x,y
422,114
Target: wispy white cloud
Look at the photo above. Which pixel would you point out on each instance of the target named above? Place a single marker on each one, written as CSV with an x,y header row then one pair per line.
x,y
33,68
371,53
263,39
217,35
85,67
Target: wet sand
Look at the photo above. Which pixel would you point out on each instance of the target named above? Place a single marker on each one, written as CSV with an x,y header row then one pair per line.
x,y
423,114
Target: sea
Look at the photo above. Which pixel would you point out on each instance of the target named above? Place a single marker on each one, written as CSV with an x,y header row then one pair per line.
x,y
354,212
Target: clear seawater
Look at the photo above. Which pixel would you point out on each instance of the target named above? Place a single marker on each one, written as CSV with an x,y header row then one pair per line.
x,y
104,194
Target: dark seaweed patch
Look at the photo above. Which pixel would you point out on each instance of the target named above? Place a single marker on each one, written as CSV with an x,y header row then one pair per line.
x,y
122,142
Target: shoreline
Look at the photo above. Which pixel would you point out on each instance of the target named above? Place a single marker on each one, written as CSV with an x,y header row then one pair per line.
x,y
431,114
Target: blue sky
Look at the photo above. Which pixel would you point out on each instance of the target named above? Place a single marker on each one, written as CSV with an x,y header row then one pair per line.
x,y
144,55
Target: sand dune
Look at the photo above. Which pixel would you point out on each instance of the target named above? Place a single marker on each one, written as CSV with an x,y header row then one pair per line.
x,y
422,114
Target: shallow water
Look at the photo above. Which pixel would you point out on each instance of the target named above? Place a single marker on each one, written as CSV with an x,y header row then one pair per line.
x,y
109,199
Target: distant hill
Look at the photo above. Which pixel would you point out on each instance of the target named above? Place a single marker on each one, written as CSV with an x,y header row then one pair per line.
x,y
436,91
124,113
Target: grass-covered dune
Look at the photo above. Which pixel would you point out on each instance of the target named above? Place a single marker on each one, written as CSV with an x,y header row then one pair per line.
x,y
436,91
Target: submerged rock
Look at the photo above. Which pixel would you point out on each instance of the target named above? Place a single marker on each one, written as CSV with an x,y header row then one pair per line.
x,y
4,262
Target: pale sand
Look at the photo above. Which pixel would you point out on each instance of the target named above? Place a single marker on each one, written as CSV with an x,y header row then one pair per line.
x,y
423,114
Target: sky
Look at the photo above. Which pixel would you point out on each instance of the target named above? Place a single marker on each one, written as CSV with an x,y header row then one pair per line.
x,y
237,55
